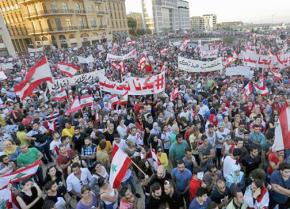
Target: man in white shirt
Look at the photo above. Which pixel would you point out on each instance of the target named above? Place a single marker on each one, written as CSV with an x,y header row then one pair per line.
x,y
78,178
230,162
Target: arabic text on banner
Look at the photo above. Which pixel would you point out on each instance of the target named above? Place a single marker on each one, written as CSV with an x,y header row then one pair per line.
x,y
130,55
197,66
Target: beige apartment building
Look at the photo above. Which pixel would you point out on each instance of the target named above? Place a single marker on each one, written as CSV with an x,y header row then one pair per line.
x,y
61,23
118,18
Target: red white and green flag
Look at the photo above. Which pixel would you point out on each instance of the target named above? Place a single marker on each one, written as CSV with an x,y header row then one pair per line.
x,y
119,166
282,131
68,69
19,175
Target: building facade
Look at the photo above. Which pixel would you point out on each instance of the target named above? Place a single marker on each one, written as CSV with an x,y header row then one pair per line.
x,y
6,46
210,22
197,23
61,23
166,15
139,19
118,18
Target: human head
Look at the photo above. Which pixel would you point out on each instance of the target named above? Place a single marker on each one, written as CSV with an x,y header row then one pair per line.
x,y
201,195
254,150
160,172
51,170
180,166
256,183
88,141
285,170
156,190
238,196
179,138
68,124
85,191
221,186
51,186
168,187
24,148
76,168
126,193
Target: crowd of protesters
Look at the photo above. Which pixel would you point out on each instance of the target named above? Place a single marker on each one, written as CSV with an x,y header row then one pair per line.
x,y
213,147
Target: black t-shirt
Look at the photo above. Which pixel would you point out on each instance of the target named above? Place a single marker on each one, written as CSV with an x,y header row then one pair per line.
x,y
174,202
250,163
109,137
29,199
217,197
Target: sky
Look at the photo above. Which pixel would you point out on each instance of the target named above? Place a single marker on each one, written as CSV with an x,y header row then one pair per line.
x,y
248,11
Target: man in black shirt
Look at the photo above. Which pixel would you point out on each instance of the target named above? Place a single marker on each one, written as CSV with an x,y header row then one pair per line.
x,y
155,199
251,161
220,194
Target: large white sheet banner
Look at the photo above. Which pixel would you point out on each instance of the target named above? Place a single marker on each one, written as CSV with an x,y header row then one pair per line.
x,y
209,54
252,59
87,60
240,70
132,54
197,66
134,86
6,66
85,78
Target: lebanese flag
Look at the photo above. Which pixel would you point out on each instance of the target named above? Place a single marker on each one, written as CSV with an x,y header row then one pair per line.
x,y
119,166
174,94
114,100
119,66
184,45
86,101
60,96
247,90
282,130
262,89
68,69
145,64
277,75
19,175
129,43
76,106
35,76
51,126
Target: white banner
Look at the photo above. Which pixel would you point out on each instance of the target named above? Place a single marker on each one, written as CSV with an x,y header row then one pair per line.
x,y
197,66
2,76
6,66
85,78
209,54
132,54
83,60
34,50
240,70
135,86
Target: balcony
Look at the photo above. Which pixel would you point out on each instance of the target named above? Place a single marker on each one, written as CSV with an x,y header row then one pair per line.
x,y
103,27
99,1
25,1
49,13
80,12
101,12
53,30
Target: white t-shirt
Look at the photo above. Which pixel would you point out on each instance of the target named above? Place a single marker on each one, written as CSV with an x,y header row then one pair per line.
x,y
228,165
122,131
75,184
54,144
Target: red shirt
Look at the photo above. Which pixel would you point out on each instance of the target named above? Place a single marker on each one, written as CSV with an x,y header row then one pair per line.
x,y
61,160
194,184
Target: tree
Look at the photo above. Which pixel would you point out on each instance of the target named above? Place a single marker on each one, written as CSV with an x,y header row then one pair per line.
x,y
132,23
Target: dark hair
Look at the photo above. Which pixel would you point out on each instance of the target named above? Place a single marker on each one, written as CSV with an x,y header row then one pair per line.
x,y
237,152
123,190
283,166
101,181
178,136
48,185
154,187
85,188
103,144
75,165
236,190
196,170
179,162
212,205
2,157
258,182
200,192
253,147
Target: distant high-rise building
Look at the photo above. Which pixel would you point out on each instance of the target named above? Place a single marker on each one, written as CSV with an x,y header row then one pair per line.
x,y
61,23
166,15
6,46
210,22
118,18
197,23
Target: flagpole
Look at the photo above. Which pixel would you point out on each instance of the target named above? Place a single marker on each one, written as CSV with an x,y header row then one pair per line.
x,y
138,168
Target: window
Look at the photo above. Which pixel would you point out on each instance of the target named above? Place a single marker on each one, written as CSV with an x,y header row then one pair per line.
x,y
82,23
65,7
78,8
53,6
58,23
93,22
68,23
